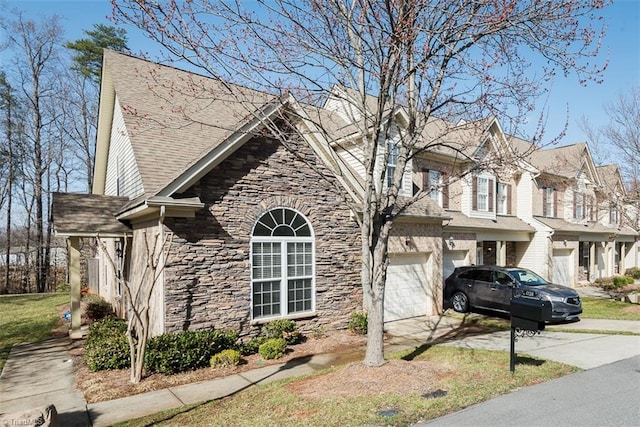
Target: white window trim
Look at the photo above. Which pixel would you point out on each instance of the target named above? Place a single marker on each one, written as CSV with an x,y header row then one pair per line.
x,y
435,186
284,277
549,207
502,198
485,194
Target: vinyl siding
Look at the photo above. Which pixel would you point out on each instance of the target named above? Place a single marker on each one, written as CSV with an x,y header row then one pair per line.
x,y
123,178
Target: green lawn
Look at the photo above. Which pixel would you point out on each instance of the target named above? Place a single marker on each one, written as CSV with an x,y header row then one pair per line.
x,y
595,308
471,376
477,375
27,318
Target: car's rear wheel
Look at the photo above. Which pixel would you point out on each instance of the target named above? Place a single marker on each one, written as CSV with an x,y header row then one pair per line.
x,y
460,302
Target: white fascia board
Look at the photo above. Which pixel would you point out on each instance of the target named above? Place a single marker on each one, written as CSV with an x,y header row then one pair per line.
x,y
322,148
103,135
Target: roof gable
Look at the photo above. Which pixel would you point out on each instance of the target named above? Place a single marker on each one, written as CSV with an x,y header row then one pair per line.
x,y
173,117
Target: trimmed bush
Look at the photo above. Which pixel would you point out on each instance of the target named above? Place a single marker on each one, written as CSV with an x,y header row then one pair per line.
x,y
634,272
251,346
97,308
273,348
106,346
620,281
283,328
358,323
187,350
227,357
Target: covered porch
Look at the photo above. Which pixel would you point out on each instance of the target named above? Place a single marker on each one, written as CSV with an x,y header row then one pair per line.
x,y
84,216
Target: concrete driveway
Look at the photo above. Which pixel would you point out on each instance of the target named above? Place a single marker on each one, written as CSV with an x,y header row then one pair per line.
x,y
584,350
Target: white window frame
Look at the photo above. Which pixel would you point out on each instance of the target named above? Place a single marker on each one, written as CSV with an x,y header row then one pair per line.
x,y
549,208
435,186
483,194
613,214
281,273
393,151
501,198
579,205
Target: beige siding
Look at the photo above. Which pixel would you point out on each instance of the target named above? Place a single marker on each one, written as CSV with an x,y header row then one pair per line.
x,y
123,178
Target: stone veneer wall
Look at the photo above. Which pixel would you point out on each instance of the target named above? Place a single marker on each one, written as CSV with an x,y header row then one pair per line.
x,y
208,280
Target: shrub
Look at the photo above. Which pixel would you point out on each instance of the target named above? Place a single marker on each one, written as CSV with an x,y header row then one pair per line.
x,y
283,328
619,282
634,272
106,346
187,350
358,323
273,348
251,346
63,288
227,357
97,308
318,332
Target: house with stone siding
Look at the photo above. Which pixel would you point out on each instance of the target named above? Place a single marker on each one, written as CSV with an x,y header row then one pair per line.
x,y
257,211
255,199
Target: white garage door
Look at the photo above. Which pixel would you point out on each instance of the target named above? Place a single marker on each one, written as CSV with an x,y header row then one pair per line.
x,y
563,267
408,288
451,260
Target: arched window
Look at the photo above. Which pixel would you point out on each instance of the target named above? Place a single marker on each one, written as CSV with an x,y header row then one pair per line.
x,y
282,265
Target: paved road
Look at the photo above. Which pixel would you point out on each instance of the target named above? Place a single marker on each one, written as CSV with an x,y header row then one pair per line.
x,y
605,396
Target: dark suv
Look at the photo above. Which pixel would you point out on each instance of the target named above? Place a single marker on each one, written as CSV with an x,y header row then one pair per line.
x,y
492,287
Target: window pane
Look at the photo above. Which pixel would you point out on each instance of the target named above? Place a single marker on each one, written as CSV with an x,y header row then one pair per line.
x,y
266,260
299,259
266,299
299,293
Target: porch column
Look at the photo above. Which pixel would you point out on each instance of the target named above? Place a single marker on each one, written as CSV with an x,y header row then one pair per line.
x,y
73,247
592,261
623,255
501,253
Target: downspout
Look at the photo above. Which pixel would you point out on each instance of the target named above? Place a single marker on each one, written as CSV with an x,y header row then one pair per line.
x,y
161,278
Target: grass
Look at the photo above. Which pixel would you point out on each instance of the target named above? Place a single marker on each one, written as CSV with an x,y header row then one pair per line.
x,y
27,318
596,308
471,376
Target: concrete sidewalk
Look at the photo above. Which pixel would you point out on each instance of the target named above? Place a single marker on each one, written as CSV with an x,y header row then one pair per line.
x,y
39,374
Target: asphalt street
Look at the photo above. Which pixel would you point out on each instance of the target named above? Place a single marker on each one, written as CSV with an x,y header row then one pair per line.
x,y
605,396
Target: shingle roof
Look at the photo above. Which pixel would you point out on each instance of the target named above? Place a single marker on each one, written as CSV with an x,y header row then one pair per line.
x,y
565,161
560,225
175,117
502,222
87,214
610,178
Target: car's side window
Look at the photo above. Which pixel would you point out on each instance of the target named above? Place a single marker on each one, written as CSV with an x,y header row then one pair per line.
x,y
484,276
503,278
469,275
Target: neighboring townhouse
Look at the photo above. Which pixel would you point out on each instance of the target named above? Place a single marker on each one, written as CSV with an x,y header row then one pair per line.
x,y
572,208
476,178
615,212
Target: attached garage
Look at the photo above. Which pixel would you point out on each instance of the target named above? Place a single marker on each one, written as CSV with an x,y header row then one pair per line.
x,y
563,267
451,260
409,287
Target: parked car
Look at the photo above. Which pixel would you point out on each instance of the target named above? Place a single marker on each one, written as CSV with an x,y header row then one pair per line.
x,y
492,287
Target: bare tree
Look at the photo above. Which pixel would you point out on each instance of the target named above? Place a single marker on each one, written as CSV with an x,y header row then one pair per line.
x,y
36,47
620,139
7,162
394,67
151,259
82,90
